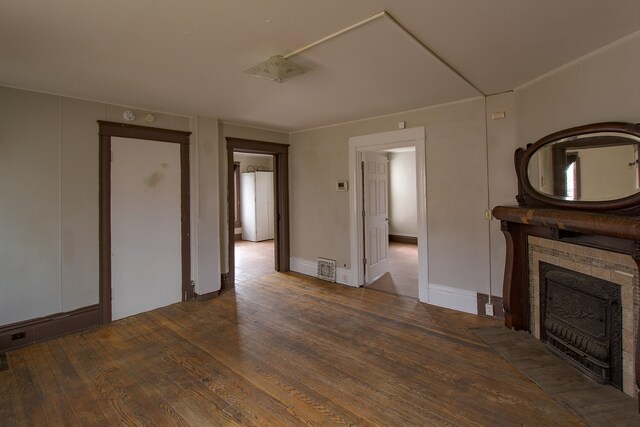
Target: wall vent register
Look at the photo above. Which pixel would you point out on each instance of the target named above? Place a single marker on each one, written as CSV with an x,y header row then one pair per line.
x,y
326,269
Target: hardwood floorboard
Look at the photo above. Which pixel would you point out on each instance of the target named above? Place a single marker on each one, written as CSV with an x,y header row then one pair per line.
x,y
283,349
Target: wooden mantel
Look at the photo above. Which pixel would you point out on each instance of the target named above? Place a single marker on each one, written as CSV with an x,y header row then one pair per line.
x,y
612,232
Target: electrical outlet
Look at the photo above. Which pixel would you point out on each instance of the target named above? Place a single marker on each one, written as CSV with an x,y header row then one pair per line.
x,y
488,309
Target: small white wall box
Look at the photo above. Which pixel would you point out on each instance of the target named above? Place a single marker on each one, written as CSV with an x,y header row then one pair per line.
x,y
342,185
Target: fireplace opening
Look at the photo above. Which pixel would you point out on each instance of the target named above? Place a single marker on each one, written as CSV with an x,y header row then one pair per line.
x,y
581,321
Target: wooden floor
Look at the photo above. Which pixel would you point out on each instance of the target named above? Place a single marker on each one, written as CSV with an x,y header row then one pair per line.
x,y
254,259
281,350
597,404
402,277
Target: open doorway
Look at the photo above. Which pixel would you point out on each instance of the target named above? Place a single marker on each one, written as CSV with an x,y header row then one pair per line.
x,y
258,209
254,220
359,149
401,275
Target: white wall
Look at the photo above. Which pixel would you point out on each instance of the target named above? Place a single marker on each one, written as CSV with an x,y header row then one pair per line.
x,y
206,206
403,217
49,200
456,198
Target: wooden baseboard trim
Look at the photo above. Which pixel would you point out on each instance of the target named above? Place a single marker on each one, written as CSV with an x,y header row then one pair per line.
x,y
31,331
207,296
403,239
225,283
498,311
237,237
4,365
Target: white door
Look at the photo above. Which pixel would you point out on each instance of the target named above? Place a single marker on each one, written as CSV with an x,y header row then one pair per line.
x,y
376,216
146,267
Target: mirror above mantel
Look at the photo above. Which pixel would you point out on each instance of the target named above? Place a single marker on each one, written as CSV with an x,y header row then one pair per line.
x,y
593,167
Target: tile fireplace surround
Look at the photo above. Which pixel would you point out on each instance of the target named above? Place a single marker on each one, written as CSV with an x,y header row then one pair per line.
x,y
614,267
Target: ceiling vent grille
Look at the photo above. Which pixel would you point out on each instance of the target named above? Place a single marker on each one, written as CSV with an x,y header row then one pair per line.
x,y
327,269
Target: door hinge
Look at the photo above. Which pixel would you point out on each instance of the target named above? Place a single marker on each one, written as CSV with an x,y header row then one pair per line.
x,y
364,261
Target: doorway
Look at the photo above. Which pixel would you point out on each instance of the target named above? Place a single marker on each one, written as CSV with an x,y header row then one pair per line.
x,y
144,208
358,146
280,201
254,216
401,275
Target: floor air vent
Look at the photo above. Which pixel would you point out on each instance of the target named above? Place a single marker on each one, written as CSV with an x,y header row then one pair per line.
x,y
327,269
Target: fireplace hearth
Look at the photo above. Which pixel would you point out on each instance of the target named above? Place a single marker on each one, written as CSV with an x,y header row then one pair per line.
x,y
581,321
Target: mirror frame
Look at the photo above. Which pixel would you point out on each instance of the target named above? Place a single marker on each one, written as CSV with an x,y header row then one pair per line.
x,y
528,196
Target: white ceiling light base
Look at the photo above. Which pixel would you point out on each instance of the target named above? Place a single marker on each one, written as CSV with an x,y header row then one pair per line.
x,y
276,68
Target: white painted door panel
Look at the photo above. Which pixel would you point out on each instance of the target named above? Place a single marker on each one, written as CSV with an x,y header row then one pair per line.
x,y
145,226
376,220
257,206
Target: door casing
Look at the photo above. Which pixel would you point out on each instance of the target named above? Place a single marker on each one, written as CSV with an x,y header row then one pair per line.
x,y
412,137
280,153
113,129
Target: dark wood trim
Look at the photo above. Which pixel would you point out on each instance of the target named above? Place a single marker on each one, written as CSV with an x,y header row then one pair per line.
x,y
185,222
107,130
281,194
125,130
237,236
47,327
207,296
105,227
619,226
409,240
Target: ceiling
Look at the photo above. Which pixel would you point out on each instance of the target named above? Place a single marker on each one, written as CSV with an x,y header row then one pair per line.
x,y
187,57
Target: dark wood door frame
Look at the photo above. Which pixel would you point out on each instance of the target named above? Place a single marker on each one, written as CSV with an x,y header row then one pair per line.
x,y
107,130
280,153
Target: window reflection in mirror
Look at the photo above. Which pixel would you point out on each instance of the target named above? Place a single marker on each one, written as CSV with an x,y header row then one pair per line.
x,y
598,166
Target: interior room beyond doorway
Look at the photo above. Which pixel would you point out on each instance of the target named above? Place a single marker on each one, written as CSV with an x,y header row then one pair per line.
x,y
401,277
255,215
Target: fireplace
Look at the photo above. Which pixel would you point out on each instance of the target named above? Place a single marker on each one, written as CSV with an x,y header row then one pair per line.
x,y
591,237
581,321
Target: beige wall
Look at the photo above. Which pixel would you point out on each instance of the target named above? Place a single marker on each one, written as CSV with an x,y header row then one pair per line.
x,y
503,186
403,219
49,199
253,162
456,196
605,172
604,86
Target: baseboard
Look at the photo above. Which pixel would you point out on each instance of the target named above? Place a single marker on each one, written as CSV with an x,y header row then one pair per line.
x,y
207,296
237,237
310,268
498,310
225,284
453,298
410,240
31,331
